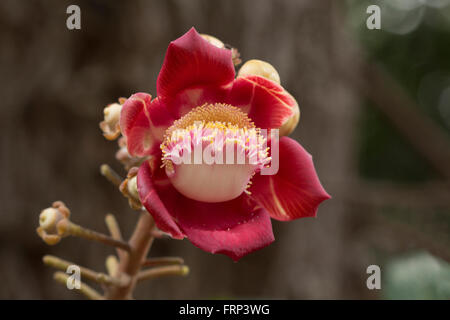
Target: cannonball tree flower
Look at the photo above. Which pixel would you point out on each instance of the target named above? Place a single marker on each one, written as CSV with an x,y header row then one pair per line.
x,y
220,207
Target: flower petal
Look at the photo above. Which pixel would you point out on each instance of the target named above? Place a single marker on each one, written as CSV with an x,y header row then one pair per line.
x,y
234,228
192,97
144,122
192,61
265,102
150,199
295,191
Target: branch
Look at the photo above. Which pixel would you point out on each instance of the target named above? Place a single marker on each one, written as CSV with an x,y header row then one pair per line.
x,y
89,292
162,261
110,175
140,244
112,265
98,277
176,270
114,230
69,228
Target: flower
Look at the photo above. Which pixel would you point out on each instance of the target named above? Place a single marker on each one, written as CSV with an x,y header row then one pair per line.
x,y
221,208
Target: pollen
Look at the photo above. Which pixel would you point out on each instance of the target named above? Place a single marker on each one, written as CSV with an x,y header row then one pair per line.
x,y
212,152
217,113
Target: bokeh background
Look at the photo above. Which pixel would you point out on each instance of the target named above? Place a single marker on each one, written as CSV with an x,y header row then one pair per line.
x,y
375,115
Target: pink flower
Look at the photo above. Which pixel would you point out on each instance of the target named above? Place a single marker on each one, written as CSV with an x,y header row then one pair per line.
x,y
220,208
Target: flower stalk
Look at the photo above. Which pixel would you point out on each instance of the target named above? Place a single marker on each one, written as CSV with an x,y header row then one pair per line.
x,y
162,261
72,229
140,243
123,270
86,290
110,175
174,270
87,273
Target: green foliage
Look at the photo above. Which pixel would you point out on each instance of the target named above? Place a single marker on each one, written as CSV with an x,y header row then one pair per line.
x,y
417,276
418,60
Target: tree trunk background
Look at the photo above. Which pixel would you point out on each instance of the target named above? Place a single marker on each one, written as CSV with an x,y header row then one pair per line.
x,y
55,83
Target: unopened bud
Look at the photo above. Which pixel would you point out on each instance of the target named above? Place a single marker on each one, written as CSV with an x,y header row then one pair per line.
x,y
213,40
110,124
132,187
235,56
49,218
49,221
129,189
259,68
291,123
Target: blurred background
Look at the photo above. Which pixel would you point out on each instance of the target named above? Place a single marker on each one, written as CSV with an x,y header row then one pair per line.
x,y
375,114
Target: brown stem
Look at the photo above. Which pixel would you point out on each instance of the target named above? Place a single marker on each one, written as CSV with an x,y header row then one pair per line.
x,y
90,293
162,261
140,244
114,230
175,270
112,265
66,227
110,175
98,277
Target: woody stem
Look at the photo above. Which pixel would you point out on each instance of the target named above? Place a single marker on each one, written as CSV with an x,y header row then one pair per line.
x,y
69,228
129,265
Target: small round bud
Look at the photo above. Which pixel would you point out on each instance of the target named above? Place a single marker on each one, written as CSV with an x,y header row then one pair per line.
x,y
129,189
259,68
213,40
291,123
50,220
110,124
132,187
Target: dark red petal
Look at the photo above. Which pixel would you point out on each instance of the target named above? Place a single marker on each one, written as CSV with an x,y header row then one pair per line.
x,y
192,97
144,122
295,191
192,61
234,228
265,102
150,199
244,235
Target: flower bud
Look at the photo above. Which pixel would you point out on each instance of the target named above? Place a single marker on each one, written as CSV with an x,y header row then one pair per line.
x,y
213,40
259,68
129,189
125,158
235,55
49,220
110,124
132,187
291,123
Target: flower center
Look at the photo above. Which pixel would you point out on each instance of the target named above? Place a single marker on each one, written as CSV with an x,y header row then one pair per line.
x,y
211,153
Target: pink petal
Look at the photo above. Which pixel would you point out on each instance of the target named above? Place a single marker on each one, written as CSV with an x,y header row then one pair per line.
x,y
265,102
187,99
144,122
295,191
192,61
150,199
234,228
